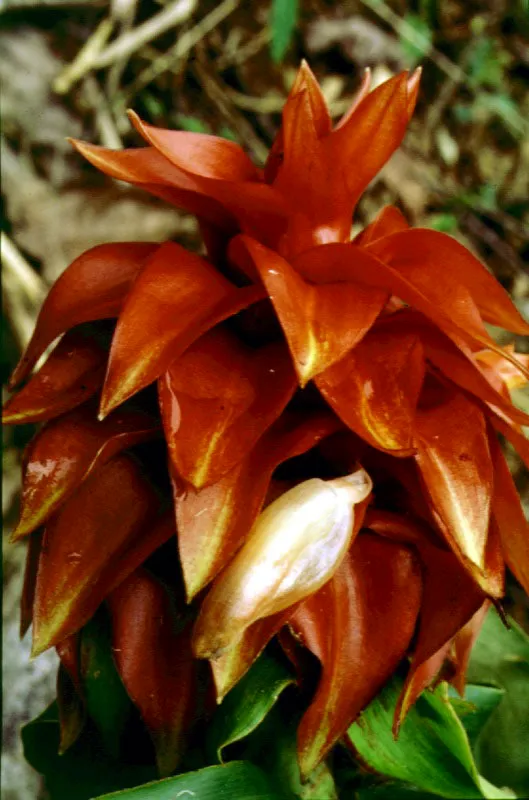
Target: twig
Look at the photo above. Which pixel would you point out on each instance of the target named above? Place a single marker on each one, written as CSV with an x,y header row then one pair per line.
x,y
242,54
106,127
269,104
175,13
220,96
84,60
407,31
28,282
435,111
502,249
454,72
124,11
24,290
170,60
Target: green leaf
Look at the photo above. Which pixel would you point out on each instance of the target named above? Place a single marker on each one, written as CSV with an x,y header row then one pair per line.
x,y
432,751
238,780
85,770
283,22
248,703
193,124
496,648
392,791
154,106
273,747
486,62
476,707
444,222
228,133
501,105
429,11
414,51
501,656
107,702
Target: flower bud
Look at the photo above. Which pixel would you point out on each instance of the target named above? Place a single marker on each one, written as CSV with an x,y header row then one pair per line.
x,y
293,548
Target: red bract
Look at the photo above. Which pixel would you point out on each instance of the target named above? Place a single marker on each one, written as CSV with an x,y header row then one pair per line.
x,y
289,351
152,650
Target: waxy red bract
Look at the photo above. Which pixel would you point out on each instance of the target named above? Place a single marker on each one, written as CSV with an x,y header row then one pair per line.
x,y
152,651
369,353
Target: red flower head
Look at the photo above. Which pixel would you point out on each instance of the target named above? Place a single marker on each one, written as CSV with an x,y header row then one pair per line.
x,y
363,364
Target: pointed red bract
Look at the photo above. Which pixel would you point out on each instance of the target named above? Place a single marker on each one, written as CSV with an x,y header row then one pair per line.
x,y
307,84
509,515
199,154
177,297
462,368
67,450
231,665
382,117
74,371
228,395
213,522
301,177
152,651
225,204
427,671
450,306
422,675
501,373
146,167
389,220
70,701
443,258
464,641
359,625
103,533
450,597
362,92
321,323
391,329
514,434
374,389
93,287
454,459
68,652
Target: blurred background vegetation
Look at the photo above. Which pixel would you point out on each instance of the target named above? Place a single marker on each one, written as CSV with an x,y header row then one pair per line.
x,y
73,67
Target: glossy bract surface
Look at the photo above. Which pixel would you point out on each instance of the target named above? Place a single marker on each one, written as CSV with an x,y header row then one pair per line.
x,y
310,419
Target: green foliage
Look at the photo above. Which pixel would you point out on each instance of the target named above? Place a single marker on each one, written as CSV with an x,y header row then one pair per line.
x,y
486,62
193,124
414,51
475,708
248,703
107,702
274,747
434,755
283,22
444,222
501,657
227,133
499,105
432,751
85,770
238,780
